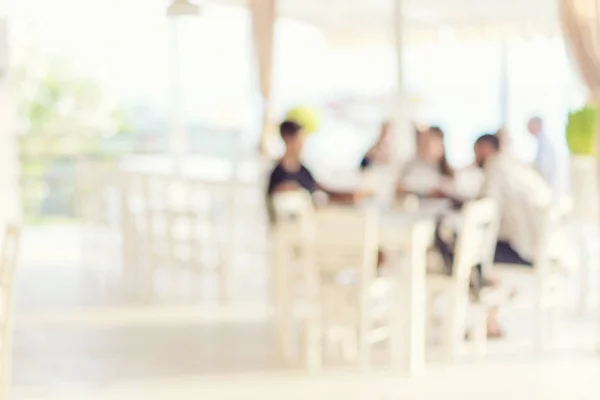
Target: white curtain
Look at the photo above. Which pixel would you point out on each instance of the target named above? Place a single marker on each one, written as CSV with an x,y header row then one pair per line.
x,y
263,29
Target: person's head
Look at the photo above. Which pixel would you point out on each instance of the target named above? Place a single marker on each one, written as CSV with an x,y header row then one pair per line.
x,y
292,135
486,146
434,150
535,126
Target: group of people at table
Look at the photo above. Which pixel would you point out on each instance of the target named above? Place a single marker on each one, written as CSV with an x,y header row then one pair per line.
x,y
520,190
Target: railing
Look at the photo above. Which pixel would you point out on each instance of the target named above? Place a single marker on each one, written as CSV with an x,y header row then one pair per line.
x,y
50,188
49,180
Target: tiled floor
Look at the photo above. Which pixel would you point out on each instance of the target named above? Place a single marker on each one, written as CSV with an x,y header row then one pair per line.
x,y
82,334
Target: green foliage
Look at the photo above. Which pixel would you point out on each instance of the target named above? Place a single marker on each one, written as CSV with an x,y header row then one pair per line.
x,y
64,117
581,130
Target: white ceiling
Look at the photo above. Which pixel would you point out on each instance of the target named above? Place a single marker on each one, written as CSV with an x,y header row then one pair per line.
x,y
373,18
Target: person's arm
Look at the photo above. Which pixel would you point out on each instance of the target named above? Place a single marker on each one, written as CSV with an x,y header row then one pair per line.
x,y
456,199
492,184
341,197
310,183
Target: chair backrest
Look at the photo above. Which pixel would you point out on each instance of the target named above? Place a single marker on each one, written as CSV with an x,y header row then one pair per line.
x,y
96,189
345,239
477,238
293,214
548,242
328,240
292,205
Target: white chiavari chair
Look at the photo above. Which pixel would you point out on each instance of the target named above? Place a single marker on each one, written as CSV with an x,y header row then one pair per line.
x,y
475,245
546,273
8,265
326,290
325,269
96,202
343,252
134,241
173,226
170,224
293,213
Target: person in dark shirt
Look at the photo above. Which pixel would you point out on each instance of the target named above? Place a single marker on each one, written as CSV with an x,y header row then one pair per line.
x,y
290,174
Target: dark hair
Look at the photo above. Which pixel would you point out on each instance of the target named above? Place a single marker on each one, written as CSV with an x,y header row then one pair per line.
x,y
492,140
289,129
443,166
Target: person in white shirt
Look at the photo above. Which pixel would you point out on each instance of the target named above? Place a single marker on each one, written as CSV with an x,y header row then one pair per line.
x,y
521,194
545,160
429,174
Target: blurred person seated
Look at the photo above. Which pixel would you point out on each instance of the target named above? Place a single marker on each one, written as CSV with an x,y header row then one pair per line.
x,y
468,182
379,153
521,195
428,175
290,174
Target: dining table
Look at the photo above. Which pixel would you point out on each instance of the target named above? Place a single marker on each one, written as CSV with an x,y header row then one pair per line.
x,y
409,232
406,237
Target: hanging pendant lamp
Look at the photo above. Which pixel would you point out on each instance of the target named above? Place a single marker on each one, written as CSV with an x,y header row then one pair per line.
x,y
183,8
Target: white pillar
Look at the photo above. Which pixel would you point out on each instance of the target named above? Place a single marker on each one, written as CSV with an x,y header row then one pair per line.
x,y
405,143
504,84
179,134
10,210
412,345
264,16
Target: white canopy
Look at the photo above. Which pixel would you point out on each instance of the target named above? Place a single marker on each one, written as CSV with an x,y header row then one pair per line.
x,y
371,20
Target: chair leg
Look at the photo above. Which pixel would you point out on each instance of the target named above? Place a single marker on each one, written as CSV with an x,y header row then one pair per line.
x,y
538,323
224,273
364,329
286,327
314,345
455,326
349,346
554,316
479,331
288,338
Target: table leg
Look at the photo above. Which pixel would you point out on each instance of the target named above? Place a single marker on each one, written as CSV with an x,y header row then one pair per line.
x,y
409,351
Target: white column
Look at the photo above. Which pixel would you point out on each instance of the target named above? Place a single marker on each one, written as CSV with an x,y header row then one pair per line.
x,y
179,134
10,210
405,138
264,15
504,84
411,349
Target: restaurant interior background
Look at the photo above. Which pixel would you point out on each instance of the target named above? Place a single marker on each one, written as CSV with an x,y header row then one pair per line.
x,y
95,81
117,57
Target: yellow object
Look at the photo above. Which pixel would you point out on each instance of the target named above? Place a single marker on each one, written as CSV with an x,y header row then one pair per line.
x,y
306,117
